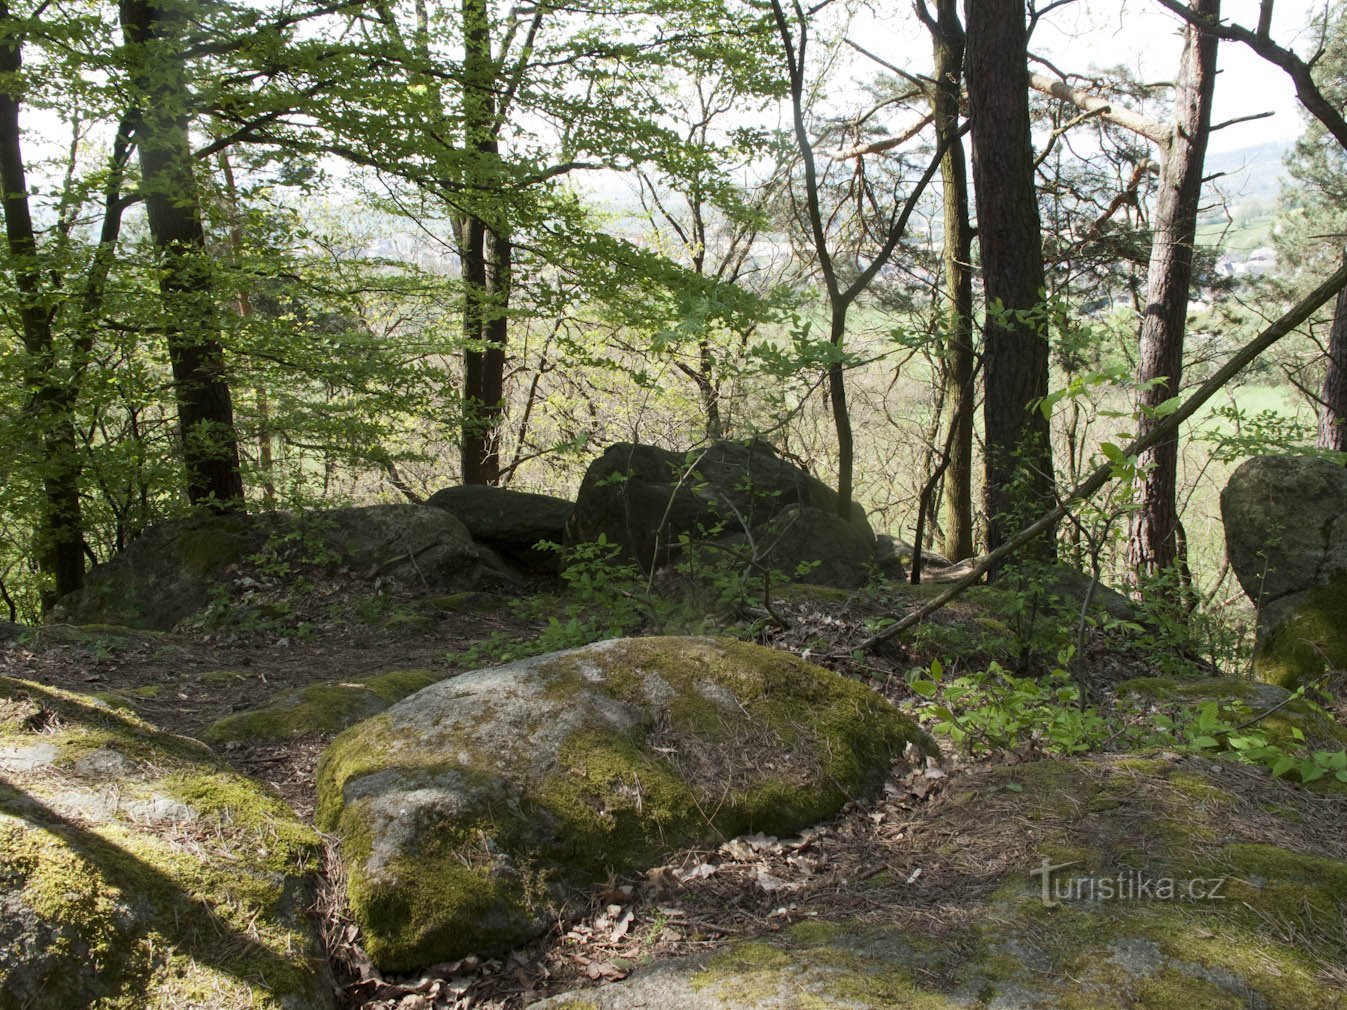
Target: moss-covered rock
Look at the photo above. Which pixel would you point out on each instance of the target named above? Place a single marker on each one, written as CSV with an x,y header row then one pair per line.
x,y
1286,536
1175,883
319,708
175,569
136,871
472,813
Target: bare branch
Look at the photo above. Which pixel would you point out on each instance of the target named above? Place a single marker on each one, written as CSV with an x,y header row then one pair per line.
x,y
1158,133
884,144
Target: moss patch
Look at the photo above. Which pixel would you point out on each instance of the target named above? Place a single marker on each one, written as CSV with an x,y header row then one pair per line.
x,y
1311,639
139,872
320,708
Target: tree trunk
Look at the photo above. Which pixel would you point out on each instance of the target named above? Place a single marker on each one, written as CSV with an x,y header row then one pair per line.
x,y
1154,536
1019,472
837,396
486,272
205,406
960,389
1333,398
60,534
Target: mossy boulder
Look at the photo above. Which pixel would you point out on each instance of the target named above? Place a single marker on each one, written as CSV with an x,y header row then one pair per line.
x,y
510,522
644,498
1174,883
319,708
476,811
1286,536
136,871
177,568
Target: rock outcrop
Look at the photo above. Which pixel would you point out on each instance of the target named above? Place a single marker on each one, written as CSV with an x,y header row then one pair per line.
x,y
1286,537
175,569
138,871
509,522
644,499
476,811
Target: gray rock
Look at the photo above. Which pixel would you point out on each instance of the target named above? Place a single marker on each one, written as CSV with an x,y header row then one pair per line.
x,y
509,522
476,811
643,498
1285,524
105,901
1286,536
175,569
9,631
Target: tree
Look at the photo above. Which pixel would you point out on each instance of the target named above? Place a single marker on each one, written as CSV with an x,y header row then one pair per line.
x,y
1155,538
60,537
960,390
1019,469
154,42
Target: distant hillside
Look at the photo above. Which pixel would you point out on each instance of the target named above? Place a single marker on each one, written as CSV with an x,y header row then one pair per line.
x,y
1250,174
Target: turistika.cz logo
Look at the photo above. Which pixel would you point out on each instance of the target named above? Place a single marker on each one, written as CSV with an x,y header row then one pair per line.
x,y
1129,885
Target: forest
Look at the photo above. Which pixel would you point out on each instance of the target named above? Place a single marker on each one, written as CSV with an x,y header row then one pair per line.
x,y
699,503
280,258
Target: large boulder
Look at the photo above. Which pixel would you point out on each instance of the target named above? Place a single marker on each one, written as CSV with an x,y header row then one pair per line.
x,y
175,569
1286,537
509,522
138,871
1171,883
644,498
476,811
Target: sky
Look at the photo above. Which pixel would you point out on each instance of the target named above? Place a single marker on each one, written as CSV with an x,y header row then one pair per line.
x,y
1144,37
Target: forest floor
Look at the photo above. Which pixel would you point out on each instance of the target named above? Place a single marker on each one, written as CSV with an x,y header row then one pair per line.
x,y
184,681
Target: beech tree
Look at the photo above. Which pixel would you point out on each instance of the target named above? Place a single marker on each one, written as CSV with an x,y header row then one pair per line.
x,y
155,41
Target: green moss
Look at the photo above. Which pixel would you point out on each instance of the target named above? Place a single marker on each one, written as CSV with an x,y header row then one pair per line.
x,y
1311,640
130,907
320,708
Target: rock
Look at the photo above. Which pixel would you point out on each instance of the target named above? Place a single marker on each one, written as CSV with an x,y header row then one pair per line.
x,y
643,498
1169,874
137,870
816,547
509,522
1286,536
473,813
175,569
1070,587
9,631
319,708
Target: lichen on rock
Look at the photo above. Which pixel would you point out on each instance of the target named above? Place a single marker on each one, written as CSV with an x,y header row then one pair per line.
x,y
474,812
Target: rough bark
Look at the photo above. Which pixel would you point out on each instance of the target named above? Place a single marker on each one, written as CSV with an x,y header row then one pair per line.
x,y
1153,542
60,533
1333,397
172,203
960,389
1019,472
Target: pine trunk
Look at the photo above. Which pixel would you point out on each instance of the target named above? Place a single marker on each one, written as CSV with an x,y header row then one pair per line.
x,y
1153,544
1019,472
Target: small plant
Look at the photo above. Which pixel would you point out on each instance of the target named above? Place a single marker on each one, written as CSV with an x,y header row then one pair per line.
x,y
993,710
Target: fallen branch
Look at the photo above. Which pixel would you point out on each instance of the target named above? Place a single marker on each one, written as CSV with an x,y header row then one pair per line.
x,y
1301,311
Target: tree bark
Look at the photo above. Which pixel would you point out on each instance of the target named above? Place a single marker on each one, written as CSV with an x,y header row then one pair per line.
x,y
1153,541
60,533
1019,471
486,271
1333,398
172,203
960,389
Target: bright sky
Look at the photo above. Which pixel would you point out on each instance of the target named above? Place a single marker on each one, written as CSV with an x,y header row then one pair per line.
x,y
1144,37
